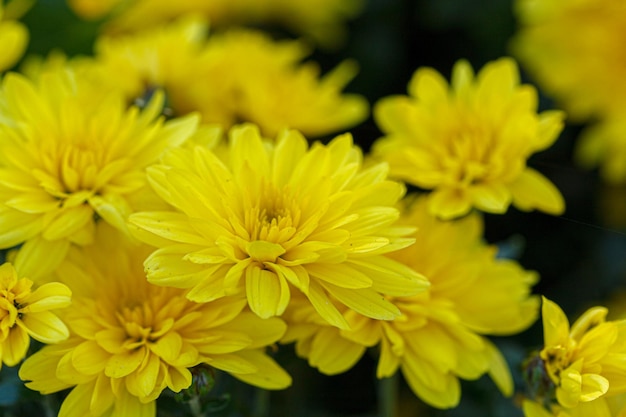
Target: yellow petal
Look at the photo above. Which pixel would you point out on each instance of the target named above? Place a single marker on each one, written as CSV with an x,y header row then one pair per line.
x,y
263,251
69,222
178,379
268,374
102,397
325,307
555,324
18,227
232,363
587,321
129,405
491,198
364,301
260,332
45,327
341,275
267,292
113,208
449,203
332,354
168,347
441,390
168,225
13,41
49,296
88,358
593,386
429,87
40,368
388,362
534,191
533,409
77,402
123,364
8,276
147,376
38,258
14,347
499,369
570,385
167,267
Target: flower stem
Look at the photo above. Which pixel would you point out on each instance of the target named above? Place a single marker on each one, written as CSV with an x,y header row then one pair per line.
x,y
388,396
261,405
195,406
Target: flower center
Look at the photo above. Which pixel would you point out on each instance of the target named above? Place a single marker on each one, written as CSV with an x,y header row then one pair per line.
x,y
8,316
10,304
141,324
79,167
274,218
556,358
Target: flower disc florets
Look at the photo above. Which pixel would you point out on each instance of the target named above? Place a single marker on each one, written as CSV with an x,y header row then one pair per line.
x,y
266,219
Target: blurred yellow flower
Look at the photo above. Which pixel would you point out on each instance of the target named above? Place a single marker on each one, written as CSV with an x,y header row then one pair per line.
x,y
440,335
469,141
25,311
267,219
584,363
73,154
130,340
603,144
166,57
13,34
572,49
242,75
320,20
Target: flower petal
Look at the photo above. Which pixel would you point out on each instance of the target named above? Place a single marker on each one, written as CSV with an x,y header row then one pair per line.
x,y
532,190
14,347
267,292
45,327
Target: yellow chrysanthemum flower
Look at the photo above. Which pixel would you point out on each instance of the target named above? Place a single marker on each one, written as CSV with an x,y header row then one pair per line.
x,y
265,220
320,20
569,46
13,34
130,340
469,142
584,363
242,75
25,312
73,154
440,335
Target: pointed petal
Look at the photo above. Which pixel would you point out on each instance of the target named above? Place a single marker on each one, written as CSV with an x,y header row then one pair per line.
x,y
14,347
267,292
534,191
45,327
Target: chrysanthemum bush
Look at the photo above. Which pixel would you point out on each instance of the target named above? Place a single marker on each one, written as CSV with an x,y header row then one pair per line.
x,y
184,208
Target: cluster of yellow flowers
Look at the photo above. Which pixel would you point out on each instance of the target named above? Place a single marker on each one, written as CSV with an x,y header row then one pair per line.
x,y
163,198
